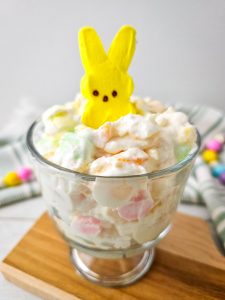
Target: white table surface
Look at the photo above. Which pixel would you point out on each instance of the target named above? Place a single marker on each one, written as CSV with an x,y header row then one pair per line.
x,y
16,219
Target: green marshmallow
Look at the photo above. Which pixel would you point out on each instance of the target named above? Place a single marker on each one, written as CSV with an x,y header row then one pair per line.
x,y
79,143
68,142
47,144
181,151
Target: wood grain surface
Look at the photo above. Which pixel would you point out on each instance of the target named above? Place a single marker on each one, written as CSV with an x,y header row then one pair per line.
x,y
187,266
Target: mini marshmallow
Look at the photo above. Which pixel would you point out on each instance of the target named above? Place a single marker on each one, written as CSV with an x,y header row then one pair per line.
x,y
139,127
57,118
137,208
118,144
86,225
129,162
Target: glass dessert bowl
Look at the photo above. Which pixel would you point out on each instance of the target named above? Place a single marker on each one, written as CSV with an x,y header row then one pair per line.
x,y
112,166
111,223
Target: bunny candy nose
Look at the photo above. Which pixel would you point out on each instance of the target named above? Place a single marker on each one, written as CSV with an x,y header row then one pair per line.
x,y
105,98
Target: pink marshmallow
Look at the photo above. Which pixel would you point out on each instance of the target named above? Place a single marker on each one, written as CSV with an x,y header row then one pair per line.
x,y
141,195
137,208
87,225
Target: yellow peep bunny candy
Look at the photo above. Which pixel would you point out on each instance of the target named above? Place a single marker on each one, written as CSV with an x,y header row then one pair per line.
x,y
106,84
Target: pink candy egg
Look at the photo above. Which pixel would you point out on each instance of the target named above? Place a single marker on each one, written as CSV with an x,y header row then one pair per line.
x,y
214,145
87,225
25,174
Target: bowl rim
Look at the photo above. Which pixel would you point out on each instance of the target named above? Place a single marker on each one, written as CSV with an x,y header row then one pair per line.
x,y
155,174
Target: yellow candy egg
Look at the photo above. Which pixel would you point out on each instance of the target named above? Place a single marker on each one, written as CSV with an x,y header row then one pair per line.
x,y
209,156
11,179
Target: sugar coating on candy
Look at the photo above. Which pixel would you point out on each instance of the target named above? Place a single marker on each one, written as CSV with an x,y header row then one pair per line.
x,y
218,169
11,179
25,174
214,145
209,155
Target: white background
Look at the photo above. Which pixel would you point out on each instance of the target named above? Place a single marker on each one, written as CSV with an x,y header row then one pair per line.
x,y
180,55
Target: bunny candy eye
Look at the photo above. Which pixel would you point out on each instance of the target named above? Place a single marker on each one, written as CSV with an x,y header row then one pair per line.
x,y
95,93
114,93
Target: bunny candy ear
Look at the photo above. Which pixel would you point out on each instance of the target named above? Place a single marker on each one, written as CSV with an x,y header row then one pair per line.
x,y
91,49
122,48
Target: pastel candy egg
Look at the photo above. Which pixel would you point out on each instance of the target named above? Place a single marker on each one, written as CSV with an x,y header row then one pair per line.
x,y
218,169
222,178
87,225
209,155
25,174
11,179
214,145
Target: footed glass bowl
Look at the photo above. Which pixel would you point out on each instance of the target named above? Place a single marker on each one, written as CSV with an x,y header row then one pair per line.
x,y
111,224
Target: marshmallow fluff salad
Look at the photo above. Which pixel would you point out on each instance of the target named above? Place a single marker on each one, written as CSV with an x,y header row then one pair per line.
x,y
108,139
110,212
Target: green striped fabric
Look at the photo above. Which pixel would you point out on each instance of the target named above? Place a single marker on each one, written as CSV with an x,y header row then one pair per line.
x,y
201,187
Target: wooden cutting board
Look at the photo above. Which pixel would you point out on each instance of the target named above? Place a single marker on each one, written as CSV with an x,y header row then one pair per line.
x,y
187,266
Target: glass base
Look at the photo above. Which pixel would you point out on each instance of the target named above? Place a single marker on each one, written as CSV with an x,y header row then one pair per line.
x,y
112,272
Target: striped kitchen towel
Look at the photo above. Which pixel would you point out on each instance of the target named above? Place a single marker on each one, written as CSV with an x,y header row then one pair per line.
x,y
213,195
202,187
12,157
209,122
13,152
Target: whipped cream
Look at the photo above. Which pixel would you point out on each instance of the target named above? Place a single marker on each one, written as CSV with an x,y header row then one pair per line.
x,y
157,133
